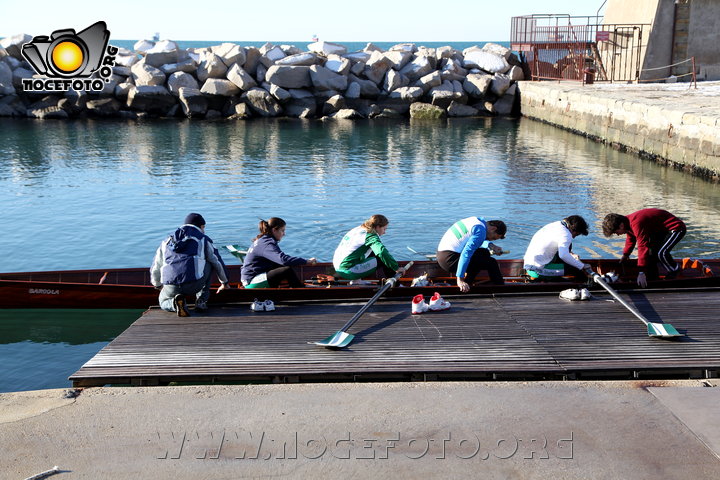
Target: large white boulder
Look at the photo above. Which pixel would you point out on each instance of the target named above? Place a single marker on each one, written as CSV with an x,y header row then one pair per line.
x,y
499,85
457,109
487,61
262,102
398,58
371,47
338,64
179,80
453,70
150,98
327,48
404,47
279,93
289,76
6,80
419,67
142,46
237,75
368,88
300,59
147,75
477,84
219,86
358,56
272,55
498,50
516,74
429,81
376,67
394,80
230,53
13,44
323,79
188,66
353,91
126,60
192,102
211,66
407,93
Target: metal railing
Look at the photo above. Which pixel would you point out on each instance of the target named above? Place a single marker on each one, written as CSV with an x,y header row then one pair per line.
x,y
567,47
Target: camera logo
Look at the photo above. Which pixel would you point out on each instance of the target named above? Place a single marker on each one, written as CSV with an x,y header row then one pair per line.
x,y
69,59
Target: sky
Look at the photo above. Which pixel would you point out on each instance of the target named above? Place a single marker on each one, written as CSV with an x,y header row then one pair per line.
x,y
330,20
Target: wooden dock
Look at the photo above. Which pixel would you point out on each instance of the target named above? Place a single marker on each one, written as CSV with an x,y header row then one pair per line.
x,y
491,337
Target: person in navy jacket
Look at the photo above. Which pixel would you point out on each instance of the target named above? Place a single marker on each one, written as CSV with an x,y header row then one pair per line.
x,y
183,266
265,264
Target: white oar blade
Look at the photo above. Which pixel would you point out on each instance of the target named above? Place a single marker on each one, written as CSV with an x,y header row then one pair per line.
x,y
664,330
339,339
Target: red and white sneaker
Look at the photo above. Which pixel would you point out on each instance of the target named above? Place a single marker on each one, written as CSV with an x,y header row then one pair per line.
x,y
418,305
437,303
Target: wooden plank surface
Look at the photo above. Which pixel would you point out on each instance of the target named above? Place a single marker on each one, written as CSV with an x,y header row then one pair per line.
x,y
520,335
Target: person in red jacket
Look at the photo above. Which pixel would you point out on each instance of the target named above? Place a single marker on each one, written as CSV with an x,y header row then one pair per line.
x,y
655,232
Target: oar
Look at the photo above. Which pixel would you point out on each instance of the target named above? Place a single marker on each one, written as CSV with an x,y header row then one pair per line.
x,y
236,251
663,330
341,338
429,256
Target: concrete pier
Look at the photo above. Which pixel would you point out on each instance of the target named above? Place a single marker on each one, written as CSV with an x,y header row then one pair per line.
x,y
673,124
450,430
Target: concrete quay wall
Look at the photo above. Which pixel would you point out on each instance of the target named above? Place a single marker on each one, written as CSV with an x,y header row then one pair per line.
x,y
668,123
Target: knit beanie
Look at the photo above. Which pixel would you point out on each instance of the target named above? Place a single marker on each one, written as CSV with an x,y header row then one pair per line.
x,y
195,219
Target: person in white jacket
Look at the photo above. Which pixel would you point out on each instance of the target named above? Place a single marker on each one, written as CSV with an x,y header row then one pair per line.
x,y
549,255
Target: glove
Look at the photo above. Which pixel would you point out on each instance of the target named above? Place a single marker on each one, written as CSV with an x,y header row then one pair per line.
x,y
642,280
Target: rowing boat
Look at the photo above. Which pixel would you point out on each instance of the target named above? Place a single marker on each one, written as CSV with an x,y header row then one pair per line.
x,y
131,288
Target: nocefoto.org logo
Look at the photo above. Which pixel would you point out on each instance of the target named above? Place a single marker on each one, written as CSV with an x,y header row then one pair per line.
x,y
68,60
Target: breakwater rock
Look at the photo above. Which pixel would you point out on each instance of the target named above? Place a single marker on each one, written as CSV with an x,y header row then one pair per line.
x,y
159,79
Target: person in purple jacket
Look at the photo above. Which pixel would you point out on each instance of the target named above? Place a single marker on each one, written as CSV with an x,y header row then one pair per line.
x,y
265,264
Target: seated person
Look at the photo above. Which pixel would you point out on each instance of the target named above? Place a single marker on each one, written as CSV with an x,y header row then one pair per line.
x,y
549,255
265,264
361,251
463,250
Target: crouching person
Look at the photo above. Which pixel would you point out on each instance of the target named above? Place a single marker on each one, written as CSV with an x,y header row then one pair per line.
x,y
549,255
183,266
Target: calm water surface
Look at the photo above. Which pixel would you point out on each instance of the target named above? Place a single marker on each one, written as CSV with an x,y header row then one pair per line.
x,y
93,194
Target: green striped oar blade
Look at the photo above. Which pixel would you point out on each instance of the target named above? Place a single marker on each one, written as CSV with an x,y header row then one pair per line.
x,y
662,330
339,339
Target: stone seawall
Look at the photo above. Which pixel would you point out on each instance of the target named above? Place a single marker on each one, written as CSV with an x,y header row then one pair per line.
x,y
228,80
671,124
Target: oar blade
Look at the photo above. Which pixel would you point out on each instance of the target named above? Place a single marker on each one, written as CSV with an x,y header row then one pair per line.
x,y
663,330
339,339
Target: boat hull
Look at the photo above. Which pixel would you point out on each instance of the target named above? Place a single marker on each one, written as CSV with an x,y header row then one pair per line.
x,y
131,288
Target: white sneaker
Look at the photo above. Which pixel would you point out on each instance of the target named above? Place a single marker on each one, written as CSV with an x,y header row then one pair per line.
x,y
570,294
610,277
421,281
437,303
418,305
585,294
257,306
269,305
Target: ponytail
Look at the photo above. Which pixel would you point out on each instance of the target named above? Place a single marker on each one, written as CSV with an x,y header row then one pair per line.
x,y
375,221
266,227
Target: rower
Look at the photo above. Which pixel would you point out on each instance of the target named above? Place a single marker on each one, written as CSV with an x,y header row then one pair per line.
x,y
549,255
655,232
464,250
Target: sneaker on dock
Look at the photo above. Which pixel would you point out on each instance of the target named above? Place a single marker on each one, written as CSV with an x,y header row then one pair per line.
x,y
585,294
257,306
201,305
268,305
418,305
570,294
180,306
437,303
